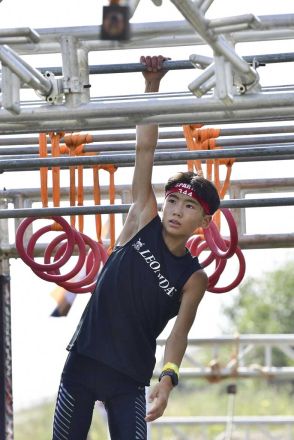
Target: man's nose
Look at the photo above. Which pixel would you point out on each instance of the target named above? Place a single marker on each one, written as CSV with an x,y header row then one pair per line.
x,y
178,210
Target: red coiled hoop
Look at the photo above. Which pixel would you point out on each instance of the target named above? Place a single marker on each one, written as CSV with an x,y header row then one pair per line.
x,y
220,251
64,245
29,260
237,280
215,241
55,275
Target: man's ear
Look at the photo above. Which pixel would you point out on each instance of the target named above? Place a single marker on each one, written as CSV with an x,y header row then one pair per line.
x,y
206,221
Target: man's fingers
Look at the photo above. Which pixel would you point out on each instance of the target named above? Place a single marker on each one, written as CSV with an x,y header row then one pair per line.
x,y
142,60
161,60
154,63
148,63
154,413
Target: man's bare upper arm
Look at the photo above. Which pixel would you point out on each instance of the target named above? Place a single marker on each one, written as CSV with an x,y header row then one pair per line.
x,y
193,293
144,206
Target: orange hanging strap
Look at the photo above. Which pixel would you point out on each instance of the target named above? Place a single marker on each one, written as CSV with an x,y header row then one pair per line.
x,y
75,144
229,164
79,151
55,137
112,201
81,195
111,169
72,187
97,200
55,151
192,145
43,170
217,183
196,135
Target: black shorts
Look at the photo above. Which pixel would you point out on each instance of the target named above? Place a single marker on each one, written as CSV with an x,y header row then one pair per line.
x,y
85,381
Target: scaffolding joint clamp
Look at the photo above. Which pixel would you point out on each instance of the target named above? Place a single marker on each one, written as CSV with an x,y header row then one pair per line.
x,y
56,93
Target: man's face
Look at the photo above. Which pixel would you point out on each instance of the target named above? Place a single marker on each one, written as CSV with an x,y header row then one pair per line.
x,y
182,214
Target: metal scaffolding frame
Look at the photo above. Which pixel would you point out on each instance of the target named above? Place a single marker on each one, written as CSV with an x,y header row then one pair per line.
x,y
238,366
232,92
23,200
235,82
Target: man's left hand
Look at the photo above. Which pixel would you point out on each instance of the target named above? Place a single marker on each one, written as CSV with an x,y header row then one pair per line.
x,y
159,398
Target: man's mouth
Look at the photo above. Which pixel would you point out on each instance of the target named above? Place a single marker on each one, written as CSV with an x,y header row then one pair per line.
x,y
175,222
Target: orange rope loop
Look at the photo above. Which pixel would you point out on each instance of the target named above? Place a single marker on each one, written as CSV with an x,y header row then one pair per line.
x,y
205,139
74,145
111,169
55,152
81,195
193,145
76,140
97,200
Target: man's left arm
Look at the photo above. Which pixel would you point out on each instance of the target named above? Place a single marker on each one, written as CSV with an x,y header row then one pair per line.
x,y
177,341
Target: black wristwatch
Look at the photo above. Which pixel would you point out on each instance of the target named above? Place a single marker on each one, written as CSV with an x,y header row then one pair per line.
x,y
172,374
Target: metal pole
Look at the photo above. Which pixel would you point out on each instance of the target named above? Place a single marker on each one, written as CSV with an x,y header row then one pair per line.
x,y
259,103
123,208
19,32
129,158
79,122
6,404
155,34
250,142
172,134
24,71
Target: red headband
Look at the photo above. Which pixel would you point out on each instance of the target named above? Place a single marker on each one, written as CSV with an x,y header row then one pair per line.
x,y
186,188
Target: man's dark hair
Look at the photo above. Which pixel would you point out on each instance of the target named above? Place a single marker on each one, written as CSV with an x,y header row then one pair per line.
x,y
203,187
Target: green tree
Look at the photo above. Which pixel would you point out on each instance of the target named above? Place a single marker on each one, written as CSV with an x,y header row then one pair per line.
x,y
265,305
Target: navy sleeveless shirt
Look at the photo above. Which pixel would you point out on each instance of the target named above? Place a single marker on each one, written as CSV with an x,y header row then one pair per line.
x,y
137,293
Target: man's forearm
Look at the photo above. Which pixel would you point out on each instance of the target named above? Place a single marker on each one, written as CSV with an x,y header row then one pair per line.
x,y
152,86
175,349
147,135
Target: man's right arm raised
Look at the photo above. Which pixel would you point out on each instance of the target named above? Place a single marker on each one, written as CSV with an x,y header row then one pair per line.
x,y
144,206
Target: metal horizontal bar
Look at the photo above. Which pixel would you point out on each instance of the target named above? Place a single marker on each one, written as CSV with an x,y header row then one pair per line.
x,y
206,118
256,338
242,372
266,241
123,208
280,184
286,157
223,420
116,136
33,164
154,34
250,141
103,69
18,32
148,106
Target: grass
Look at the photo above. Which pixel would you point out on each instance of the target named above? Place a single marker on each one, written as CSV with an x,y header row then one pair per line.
x,y
192,398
